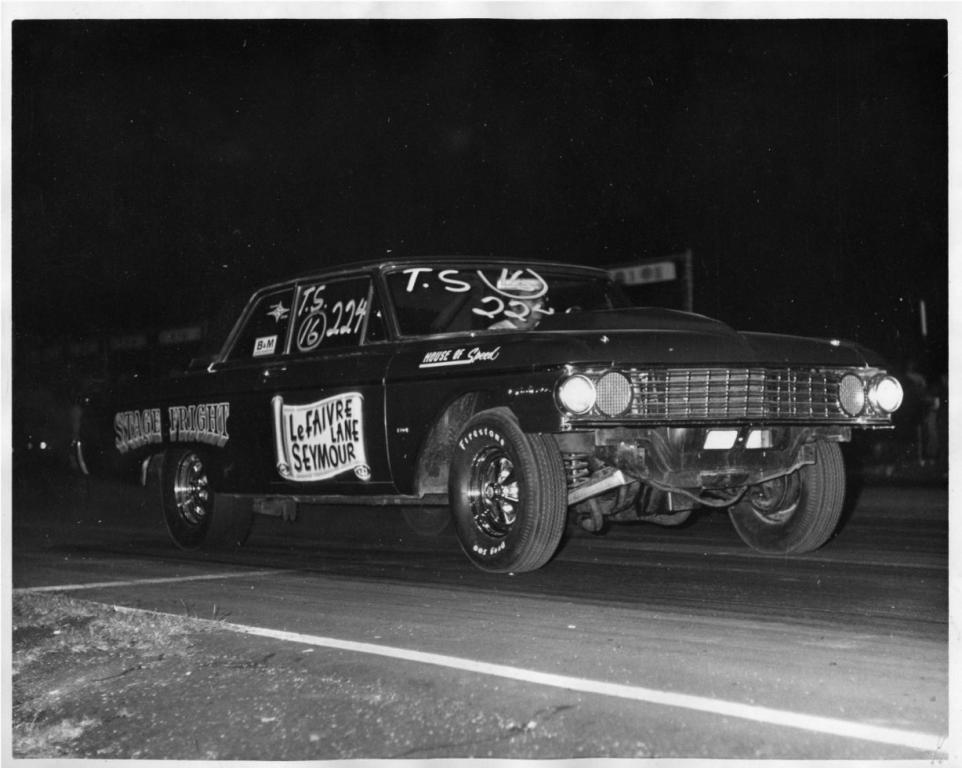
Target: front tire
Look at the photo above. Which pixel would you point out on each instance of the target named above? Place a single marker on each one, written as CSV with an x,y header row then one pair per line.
x,y
192,517
508,494
796,513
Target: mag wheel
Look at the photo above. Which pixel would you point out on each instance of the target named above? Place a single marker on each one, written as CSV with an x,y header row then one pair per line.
x,y
508,494
798,512
190,513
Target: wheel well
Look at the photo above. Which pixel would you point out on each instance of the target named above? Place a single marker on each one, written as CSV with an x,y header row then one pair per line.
x,y
151,470
434,459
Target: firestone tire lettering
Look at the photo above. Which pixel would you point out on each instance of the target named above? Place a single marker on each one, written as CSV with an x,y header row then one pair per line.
x,y
482,432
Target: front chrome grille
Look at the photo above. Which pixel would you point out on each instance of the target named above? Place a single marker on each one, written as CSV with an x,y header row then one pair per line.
x,y
756,394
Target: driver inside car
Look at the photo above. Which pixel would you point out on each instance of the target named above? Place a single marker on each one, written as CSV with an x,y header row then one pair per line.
x,y
522,315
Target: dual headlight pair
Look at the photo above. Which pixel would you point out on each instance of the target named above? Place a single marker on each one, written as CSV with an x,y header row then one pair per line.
x,y
578,394
882,392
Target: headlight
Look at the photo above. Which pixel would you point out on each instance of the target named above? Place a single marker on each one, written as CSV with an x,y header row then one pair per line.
x,y
613,393
576,394
851,394
885,394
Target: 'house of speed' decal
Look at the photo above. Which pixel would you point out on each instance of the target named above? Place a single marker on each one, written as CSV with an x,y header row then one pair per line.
x,y
443,358
322,439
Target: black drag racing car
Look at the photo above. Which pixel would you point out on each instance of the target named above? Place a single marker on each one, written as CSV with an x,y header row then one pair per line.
x,y
507,396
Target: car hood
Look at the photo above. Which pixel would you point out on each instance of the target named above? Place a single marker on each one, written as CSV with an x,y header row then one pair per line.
x,y
649,335
633,319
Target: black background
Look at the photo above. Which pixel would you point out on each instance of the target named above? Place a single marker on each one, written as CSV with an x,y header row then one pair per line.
x,y
160,165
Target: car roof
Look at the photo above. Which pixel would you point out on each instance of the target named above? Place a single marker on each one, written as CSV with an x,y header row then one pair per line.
x,y
476,262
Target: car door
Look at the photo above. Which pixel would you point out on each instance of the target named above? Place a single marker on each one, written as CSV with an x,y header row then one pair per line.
x,y
306,374
327,404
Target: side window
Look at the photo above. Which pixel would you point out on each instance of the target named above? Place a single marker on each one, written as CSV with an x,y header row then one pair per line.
x,y
330,314
265,332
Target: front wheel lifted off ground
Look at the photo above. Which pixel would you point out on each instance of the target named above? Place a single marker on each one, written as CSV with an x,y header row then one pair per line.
x,y
796,513
193,519
508,494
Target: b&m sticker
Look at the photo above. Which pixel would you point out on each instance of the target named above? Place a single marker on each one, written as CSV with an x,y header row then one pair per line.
x,y
265,345
322,439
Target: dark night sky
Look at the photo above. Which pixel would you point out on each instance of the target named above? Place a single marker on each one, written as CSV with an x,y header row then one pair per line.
x,y
158,166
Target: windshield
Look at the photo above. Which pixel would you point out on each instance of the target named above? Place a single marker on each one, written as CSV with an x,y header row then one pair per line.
x,y
431,300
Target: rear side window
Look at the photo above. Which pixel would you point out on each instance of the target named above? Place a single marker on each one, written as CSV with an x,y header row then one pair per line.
x,y
330,314
265,332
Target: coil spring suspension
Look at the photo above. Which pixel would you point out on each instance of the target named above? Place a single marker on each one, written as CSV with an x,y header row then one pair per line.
x,y
576,468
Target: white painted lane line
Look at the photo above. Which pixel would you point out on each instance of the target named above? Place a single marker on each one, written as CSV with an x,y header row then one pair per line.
x,y
625,552
934,744
139,582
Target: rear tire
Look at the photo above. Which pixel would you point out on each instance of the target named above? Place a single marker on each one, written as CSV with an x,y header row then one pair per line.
x,y
797,513
508,494
193,518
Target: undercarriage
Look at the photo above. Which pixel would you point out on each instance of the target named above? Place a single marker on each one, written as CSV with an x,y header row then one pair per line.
x,y
661,475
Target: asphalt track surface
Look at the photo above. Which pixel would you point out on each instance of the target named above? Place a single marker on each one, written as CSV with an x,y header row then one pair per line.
x,y
643,642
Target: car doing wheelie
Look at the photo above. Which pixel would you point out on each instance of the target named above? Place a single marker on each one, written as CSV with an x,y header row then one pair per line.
x,y
512,398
